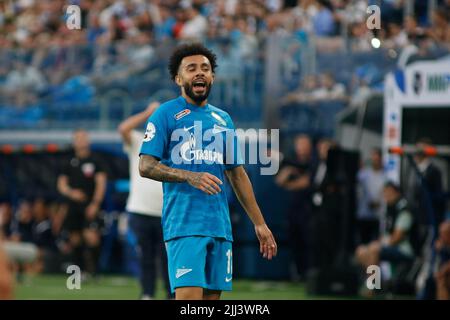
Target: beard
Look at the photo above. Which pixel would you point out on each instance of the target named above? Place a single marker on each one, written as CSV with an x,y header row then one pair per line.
x,y
197,98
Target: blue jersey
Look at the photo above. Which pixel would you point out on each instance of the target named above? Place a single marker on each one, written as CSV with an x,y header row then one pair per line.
x,y
201,139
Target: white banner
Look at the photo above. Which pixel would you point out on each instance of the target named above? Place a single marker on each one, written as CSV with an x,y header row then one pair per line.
x,y
421,84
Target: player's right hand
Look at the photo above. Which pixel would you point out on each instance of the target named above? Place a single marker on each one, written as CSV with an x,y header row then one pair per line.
x,y
205,181
77,195
153,106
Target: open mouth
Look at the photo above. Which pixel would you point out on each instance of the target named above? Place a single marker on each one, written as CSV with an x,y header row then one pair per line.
x,y
199,84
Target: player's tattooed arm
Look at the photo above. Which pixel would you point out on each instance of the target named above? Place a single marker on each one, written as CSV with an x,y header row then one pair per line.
x,y
150,167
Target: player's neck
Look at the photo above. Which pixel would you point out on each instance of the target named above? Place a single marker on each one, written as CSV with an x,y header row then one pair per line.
x,y
82,153
190,101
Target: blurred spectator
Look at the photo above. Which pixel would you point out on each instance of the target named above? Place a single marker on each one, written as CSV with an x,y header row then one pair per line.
x,y
361,90
76,89
310,90
360,37
180,19
306,11
444,5
163,28
329,89
122,62
412,29
144,23
6,277
23,225
44,238
350,12
116,30
83,183
371,181
25,78
391,10
295,176
305,91
95,30
323,147
144,206
196,25
323,20
430,190
440,27
395,243
326,209
421,50
397,37
443,273
247,42
6,217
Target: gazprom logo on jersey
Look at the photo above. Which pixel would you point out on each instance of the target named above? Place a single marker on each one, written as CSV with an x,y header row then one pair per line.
x,y
221,144
188,150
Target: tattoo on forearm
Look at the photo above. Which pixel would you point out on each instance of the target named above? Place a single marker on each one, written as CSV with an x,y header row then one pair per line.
x,y
153,169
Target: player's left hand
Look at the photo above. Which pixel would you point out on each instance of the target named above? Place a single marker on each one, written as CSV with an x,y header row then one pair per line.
x,y
267,243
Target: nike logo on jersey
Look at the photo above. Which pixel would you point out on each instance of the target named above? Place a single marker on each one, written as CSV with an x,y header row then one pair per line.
x,y
182,272
189,128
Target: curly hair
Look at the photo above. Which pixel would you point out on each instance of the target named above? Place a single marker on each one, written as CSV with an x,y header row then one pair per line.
x,y
187,50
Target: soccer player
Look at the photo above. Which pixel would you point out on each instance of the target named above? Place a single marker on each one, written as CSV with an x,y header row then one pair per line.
x,y
144,205
196,221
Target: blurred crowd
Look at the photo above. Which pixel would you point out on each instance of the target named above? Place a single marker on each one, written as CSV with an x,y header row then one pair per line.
x,y
34,24
398,226
40,56
65,228
37,221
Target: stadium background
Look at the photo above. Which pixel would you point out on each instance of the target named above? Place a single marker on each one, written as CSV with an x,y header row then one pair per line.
x,y
54,80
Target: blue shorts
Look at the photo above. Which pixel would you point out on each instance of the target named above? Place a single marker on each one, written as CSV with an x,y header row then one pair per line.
x,y
199,261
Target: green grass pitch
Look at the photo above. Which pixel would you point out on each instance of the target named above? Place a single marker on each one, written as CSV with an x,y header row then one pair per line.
x,y
53,287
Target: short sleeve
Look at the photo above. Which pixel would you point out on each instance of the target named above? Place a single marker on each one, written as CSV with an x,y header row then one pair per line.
x,y
100,165
233,155
156,135
135,143
404,221
65,169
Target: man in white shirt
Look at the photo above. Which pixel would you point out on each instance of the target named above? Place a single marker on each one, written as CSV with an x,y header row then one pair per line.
x,y
145,207
329,89
196,26
371,182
